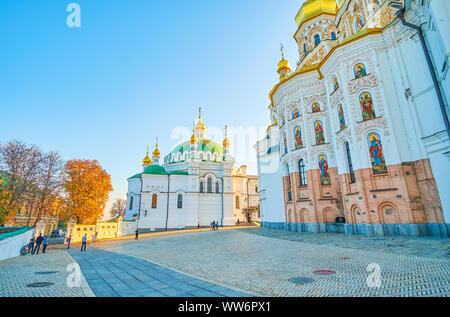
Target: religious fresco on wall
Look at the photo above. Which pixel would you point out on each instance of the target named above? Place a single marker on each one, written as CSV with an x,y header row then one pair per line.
x,y
318,128
323,166
366,101
335,84
376,154
315,107
360,70
298,137
285,144
341,117
295,113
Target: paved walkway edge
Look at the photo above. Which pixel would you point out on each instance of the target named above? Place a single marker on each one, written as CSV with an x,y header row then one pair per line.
x,y
194,276
87,291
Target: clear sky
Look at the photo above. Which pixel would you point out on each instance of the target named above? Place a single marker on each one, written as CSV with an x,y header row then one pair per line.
x,y
137,69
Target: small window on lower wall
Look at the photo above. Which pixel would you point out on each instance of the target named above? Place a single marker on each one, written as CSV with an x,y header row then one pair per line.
x,y
180,201
154,201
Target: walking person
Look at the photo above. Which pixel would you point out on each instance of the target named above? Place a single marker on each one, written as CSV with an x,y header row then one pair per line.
x,y
69,238
31,245
217,225
83,242
137,234
38,244
213,225
238,222
44,244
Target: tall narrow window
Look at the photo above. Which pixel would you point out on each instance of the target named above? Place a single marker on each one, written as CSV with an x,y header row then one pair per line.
x,y
333,36
209,185
350,164
302,172
180,201
202,189
131,203
217,188
237,202
154,201
316,39
305,51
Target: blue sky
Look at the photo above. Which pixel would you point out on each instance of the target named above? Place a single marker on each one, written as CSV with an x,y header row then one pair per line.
x,y
135,70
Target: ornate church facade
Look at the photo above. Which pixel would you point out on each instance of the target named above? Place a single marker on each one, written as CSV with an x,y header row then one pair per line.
x,y
358,128
196,184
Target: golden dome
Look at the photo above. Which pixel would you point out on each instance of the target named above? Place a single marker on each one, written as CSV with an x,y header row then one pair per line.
x,y
193,139
226,142
147,160
156,152
283,65
313,8
200,125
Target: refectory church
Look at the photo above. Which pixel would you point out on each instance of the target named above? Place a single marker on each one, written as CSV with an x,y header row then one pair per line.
x,y
197,184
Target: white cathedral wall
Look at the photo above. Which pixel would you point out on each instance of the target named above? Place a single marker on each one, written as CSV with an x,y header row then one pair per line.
x,y
209,208
134,190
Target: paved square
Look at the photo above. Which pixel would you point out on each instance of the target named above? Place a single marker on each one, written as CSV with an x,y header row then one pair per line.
x,y
238,263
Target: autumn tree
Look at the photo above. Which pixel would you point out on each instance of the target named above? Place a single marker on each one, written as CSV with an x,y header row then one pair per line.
x,y
87,188
119,207
21,166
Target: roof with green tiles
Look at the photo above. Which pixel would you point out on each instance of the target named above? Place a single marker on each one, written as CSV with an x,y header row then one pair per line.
x,y
157,170
204,145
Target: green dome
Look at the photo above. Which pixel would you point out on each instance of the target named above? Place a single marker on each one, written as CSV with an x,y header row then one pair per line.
x,y
155,170
204,145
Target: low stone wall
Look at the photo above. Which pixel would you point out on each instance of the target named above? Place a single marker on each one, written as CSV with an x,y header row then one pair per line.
x,y
11,243
371,230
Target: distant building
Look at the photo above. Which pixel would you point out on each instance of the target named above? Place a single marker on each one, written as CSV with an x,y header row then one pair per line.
x,y
196,184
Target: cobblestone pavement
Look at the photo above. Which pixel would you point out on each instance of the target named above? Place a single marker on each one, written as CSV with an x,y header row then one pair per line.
x,y
116,275
263,265
18,272
421,246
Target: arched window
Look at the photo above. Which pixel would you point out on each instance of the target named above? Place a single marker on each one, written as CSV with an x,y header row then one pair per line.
x,y
256,189
217,188
302,173
202,189
316,39
209,185
237,202
154,201
131,203
350,164
333,36
305,51
180,201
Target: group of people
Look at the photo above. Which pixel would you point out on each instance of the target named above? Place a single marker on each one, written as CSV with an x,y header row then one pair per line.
x,y
214,225
83,241
35,244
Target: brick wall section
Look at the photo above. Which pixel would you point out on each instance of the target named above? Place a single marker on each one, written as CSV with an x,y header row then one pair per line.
x,y
406,194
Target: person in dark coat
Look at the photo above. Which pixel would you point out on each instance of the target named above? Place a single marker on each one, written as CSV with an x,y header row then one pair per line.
x,y
83,242
44,244
137,234
69,238
31,245
38,244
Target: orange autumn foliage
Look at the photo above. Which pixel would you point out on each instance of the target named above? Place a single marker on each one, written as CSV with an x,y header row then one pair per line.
x,y
87,186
